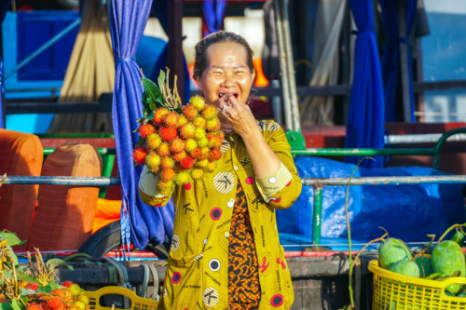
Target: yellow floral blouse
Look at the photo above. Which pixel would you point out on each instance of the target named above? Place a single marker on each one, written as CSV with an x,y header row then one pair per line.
x,y
197,271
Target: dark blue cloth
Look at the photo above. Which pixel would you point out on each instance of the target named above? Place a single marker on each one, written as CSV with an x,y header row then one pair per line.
x,y
365,128
128,19
391,55
213,15
4,5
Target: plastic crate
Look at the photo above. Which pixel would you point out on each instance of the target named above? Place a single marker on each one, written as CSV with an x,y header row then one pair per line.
x,y
137,303
394,291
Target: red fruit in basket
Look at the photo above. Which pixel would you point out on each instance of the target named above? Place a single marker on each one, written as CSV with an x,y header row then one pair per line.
x,y
177,145
215,154
32,286
170,119
56,303
159,115
190,112
34,306
139,156
180,156
168,174
146,129
188,162
168,133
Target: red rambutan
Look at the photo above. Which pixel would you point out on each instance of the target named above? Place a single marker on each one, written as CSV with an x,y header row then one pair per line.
x,y
177,145
190,112
196,153
180,156
209,112
33,286
56,303
168,133
170,119
203,156
34,306
139,156
146,129
159,115
168,174
187,163
67,283
215,154
164,149
214,141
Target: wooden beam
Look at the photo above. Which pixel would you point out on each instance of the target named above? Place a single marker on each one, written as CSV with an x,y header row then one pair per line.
x,y
175,46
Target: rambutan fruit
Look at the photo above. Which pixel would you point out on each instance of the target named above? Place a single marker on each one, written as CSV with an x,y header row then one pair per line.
x,y
191,144
33,286
159,114
168,174
198,102
72,307
190,112
153,141
196,153
153,161
187,131
202,157
209,112
215,154
213,124
146,129
203,142
162,184
139,156
182,178
187,163
177,145
75,290
201,163
199,122
199,133
67,284
214,141
197,173
154,169
182,120
218,133
167,162
168,133
170,119
205,150
166,192
211,166
80,305
84,299
56,303
180,156
34,306
179,167
164,149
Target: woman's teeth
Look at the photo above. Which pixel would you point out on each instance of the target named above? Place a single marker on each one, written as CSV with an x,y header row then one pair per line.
x,y
221,95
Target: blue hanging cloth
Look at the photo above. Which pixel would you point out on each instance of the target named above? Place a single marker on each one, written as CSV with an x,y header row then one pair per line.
x,y
144,223
214,11
391,55
4,5
365,128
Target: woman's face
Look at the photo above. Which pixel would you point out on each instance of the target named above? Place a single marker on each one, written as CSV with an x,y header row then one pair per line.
x,y
227,73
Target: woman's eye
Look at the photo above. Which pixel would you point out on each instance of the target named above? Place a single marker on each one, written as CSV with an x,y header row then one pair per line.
x,y
239,72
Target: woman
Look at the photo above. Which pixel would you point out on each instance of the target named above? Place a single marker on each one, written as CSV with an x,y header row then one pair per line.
x,y
225,251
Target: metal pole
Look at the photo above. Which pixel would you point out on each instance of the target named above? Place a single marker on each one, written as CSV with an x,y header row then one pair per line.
x,y
441,141
277,104
285,83
404,61
407,180
47,44
68,181
317,224
175,45
363,152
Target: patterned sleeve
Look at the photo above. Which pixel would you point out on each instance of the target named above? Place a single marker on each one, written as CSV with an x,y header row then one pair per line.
x,y
287,192
148,189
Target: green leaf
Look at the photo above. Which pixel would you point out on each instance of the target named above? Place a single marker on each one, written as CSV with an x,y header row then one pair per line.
x,y
47,289
161,79
12,238
26,292
145,112
6,306
57,262
140,142
152,105
28,278
153,92
12,254
14,305
53,286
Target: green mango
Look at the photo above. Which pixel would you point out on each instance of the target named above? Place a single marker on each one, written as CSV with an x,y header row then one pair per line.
x,y
392,251
447,258
406,268
458,237
461,295
425,266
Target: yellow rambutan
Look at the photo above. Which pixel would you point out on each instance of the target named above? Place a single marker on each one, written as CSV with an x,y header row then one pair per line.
x,y
164,149
153,141
191,144
211,166
203,142
190,112
198,102
166,192
199,122
182,178
159,115
170,119
197,173
205,150
153,160
165,184
187,131
168,174
179,156
213,124
199,133
201,163
182,120
167,162
146,129
209,112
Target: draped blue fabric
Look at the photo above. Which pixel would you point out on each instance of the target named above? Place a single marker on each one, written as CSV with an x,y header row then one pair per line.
x,y
391,55
365,128
213,13
145,223
4,5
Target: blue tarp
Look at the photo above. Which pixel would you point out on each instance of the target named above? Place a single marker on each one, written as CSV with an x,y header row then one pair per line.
x,y
409,212
4,5
214,11
140,221
365,128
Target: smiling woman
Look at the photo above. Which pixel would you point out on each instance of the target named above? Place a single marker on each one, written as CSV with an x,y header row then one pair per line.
x,y
225,249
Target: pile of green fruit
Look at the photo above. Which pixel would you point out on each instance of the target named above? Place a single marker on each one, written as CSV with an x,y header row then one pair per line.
x,y
446,259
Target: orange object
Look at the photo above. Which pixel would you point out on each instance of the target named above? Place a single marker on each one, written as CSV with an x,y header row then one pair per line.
x,y
20,154
261,80
65,214
106,212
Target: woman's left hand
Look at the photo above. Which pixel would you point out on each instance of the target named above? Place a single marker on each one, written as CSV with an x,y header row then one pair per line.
x,y
238,115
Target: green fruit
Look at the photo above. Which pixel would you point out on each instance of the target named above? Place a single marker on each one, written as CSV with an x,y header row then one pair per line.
x,y
461,295
447,258
75,290
425,266
458,237
392,251
406,268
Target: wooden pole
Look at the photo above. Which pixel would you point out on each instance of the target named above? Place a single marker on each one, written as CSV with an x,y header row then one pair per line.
x,y
175,48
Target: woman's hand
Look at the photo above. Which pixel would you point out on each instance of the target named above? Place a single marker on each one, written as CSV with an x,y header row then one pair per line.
x,y
238,115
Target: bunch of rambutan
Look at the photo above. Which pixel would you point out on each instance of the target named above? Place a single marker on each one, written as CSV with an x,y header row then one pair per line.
x,y
70,297
179,144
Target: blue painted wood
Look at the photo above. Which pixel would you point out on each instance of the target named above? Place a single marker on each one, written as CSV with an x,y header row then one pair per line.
x,y
36,28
